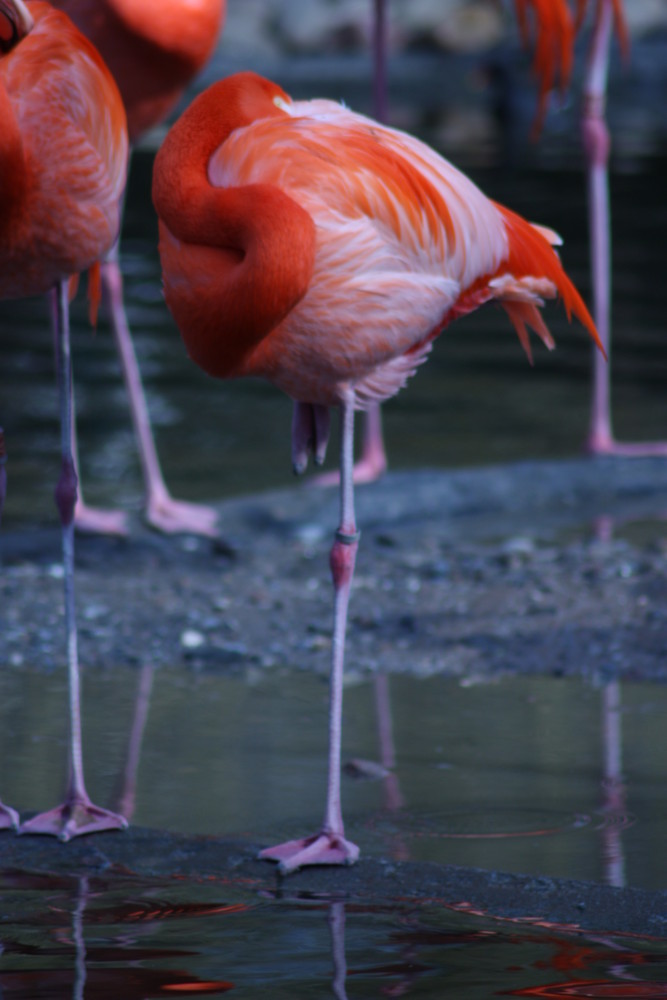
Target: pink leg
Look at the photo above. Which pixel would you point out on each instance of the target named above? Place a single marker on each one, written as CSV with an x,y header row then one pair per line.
x,y
329,846
596,147
94,520
162,512
77,814
372,463
126,795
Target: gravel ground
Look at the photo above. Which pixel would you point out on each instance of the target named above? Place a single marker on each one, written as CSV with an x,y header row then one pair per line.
x,y
527,568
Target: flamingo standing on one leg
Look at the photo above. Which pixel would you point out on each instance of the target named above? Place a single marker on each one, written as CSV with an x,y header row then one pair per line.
x,y
314,247
63,165
153,49
548,26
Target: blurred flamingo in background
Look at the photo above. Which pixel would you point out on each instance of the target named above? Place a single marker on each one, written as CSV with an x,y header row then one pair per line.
x,y
316,248
63,166
548,26
153,49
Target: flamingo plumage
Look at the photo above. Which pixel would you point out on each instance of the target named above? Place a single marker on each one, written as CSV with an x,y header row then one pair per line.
x,y
63,164
318,249
153,49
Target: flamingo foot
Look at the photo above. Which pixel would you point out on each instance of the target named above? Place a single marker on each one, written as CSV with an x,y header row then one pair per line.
x,y
95,521
179,517
604,444
74,818
320,849
368,469
9,818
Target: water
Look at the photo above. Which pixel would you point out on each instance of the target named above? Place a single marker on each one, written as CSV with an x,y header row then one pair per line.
x,y
508,776
531,775
81,937
219,439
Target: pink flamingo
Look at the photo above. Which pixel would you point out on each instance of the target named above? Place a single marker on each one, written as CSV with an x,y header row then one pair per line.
x,y
63,165
323,251
153,49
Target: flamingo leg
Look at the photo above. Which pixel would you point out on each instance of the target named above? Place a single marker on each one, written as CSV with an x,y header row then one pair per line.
x,y
373,459
77,814
9,818
372,463
162,511
329,846
596,141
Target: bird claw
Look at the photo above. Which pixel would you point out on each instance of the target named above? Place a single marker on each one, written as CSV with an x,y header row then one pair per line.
x,y
74,818
321,849
95,521
9,818
603,444
180,517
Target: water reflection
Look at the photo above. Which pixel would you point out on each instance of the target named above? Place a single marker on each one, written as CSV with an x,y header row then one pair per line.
x,y
97,936
521,775
613,809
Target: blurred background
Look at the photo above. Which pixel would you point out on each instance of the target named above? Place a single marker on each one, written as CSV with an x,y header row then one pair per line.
x,y
460,79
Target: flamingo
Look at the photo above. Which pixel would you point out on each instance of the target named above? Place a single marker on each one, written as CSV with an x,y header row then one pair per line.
x,y
63,166
316,248
153,49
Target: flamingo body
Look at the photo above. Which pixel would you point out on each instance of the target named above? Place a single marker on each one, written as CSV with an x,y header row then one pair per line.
x,y
63,161
320,250
152,49
388,240
63,165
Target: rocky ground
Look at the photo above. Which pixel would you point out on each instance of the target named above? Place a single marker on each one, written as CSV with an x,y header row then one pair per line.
x,y
469,572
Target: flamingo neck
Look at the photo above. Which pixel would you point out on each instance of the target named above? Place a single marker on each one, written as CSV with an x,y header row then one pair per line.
x,y
235,260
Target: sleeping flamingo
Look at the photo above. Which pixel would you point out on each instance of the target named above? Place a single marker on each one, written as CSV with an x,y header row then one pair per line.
x,y
63,165
318,249
547,26
153,49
